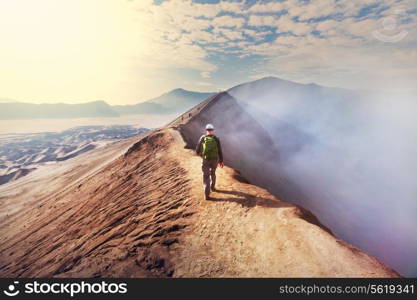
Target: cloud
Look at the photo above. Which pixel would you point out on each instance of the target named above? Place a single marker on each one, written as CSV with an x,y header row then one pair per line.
x,y
283,23
305,39
313,9
235,7
286,24
326,25
269,7
205,74
202,36
256,20
228,21
172,33
230,34
360,28
257,35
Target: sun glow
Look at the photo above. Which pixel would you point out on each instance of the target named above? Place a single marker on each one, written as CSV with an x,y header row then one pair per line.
x,y
68,51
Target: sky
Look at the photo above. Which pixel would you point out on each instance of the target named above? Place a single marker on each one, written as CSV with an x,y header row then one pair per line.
x,y
125,52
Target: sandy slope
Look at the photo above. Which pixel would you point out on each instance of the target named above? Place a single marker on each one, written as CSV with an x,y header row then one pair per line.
x,y
16,198
144,214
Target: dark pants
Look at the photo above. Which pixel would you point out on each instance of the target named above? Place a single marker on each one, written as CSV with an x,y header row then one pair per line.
x,y
208,166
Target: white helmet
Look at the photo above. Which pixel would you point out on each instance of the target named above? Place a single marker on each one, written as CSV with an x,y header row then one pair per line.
x,y
209,127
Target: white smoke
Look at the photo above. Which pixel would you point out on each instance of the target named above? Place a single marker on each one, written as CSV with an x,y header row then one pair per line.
x,y
360,171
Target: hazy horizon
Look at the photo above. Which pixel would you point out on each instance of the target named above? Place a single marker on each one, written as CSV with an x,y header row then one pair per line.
x,y
57,124
9,100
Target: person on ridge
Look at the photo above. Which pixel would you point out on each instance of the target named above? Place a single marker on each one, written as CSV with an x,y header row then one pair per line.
x,y
210,150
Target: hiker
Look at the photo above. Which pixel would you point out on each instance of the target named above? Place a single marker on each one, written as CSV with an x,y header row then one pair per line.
x,y
210,149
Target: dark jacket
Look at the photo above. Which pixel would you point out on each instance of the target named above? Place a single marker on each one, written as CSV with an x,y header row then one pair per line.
x,y
219,147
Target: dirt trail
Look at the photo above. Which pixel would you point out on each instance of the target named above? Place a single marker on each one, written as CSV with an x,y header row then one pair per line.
x,y
144,215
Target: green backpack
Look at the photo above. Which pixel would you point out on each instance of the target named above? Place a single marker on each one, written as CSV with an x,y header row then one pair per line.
x,y
210,150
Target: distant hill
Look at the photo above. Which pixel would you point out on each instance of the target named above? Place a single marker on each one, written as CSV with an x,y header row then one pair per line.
x,y
21,110
175,101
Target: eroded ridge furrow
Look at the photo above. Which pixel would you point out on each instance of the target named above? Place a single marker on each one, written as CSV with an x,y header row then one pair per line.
x,y
121,222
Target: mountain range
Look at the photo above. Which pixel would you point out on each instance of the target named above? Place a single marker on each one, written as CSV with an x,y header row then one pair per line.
x,y
175,101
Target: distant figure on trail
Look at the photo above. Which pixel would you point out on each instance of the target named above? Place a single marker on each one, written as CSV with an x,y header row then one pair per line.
x,y
211,151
